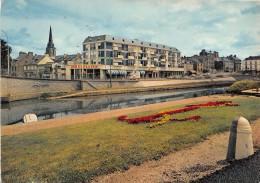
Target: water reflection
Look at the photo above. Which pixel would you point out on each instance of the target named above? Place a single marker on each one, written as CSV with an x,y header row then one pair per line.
x,y
47,109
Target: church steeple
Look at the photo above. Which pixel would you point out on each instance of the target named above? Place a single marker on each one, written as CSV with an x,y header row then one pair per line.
x,y
50,49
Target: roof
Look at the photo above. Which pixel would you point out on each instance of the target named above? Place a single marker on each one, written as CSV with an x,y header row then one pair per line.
x,y
60,58
253,58
129,42
35,60
193,59
224,59
21,57
192,71
234,58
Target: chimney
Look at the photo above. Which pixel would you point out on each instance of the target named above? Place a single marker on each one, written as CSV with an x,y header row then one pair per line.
x,y
21,53
30,54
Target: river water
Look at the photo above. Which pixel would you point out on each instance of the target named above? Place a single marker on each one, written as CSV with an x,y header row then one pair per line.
x,y
13,112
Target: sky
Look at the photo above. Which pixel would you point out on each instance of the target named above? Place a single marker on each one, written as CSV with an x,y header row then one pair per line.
x,y
228,27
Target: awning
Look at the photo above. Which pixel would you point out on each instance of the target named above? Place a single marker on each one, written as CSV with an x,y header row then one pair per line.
x,y
192,71
116,72
141,72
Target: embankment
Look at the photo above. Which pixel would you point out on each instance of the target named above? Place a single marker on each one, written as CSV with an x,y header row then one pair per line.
x,y
13,88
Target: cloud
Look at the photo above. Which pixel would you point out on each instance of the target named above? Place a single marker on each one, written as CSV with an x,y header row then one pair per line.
x,y
252,10
20,4
187,25
246,39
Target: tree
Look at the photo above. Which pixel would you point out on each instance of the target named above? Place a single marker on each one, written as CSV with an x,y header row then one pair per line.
x,y
4,55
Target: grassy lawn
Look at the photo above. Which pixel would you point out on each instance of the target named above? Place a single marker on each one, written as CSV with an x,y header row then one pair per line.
x,y
82,151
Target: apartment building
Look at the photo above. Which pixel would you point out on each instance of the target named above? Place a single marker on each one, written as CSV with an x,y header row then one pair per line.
x,y
106,56
251,65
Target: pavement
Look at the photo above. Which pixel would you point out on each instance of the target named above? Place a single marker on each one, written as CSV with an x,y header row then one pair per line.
x,y
246,171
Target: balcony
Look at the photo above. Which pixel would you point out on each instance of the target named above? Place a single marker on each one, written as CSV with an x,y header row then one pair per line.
x,y
131,57
144,58
46,72
115,48
120,56
156,59
163,60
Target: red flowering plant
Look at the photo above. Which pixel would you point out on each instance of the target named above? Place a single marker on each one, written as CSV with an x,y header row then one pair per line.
x,y
166,114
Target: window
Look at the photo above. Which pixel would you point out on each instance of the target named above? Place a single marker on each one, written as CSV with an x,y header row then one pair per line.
x,y
113,38
109,61
92,55
102,61
101,54
92,46
85,48
109,53
123,40
144,63
124,47
101,46
132,41
109,45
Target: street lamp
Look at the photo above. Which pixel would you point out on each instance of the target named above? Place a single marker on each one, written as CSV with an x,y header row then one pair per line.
x,y
7,52
110,72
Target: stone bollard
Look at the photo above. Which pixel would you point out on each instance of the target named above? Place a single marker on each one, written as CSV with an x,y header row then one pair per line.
x,y
240,140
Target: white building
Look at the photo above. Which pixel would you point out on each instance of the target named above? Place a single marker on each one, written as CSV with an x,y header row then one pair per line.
x,y
105,56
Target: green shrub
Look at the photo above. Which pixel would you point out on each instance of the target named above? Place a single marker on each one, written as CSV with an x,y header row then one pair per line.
x,y
46,95
238,86
56,94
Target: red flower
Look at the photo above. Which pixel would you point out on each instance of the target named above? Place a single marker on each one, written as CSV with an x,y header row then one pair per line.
x,y
154,117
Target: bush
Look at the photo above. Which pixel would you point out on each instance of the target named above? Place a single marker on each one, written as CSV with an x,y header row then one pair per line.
x,y
56,94
238,86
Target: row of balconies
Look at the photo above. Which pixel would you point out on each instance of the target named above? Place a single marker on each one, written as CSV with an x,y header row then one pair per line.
x,y
154,52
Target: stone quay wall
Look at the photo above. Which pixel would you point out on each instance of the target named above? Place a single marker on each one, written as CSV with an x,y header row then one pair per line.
x,y
13,88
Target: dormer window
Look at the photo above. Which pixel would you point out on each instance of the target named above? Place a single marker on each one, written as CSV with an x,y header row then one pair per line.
x,y
132,41
123,40
113,38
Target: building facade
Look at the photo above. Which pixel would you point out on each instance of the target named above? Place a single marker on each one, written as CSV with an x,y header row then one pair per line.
x,y
107,56
17,65
193,65
236,63
208,58
251,65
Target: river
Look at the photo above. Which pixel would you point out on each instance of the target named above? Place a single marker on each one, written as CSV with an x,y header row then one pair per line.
x,y
13,112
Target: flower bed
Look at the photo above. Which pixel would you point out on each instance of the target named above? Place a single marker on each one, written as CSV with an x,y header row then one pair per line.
x,y
164,116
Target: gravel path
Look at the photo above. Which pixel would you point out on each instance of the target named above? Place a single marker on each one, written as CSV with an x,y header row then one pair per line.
x,y
246,171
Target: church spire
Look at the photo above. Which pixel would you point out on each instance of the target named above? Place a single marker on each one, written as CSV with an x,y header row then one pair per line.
x,y
50,49
50,43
